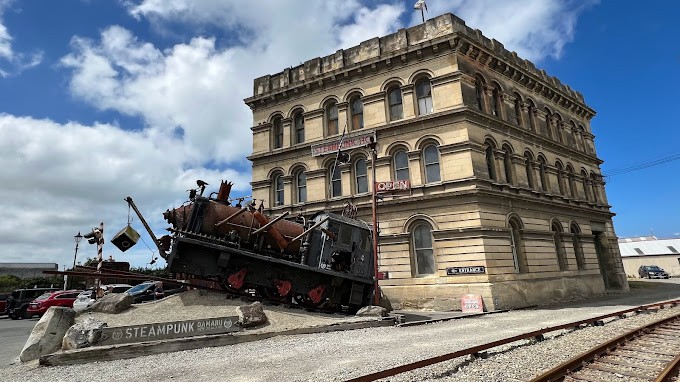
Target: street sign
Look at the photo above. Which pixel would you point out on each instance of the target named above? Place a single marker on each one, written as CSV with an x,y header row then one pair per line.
x,y
393,185
453,271
167,330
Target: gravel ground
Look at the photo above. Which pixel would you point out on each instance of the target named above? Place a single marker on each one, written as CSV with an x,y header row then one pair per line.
x,y
338,356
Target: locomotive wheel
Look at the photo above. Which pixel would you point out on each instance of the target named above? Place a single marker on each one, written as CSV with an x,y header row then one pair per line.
x,y
271,294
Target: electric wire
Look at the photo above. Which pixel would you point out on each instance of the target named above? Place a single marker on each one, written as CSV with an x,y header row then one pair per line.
x,y
641,166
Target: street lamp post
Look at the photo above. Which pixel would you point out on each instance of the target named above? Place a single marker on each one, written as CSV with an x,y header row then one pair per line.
x,y
77,239
374,208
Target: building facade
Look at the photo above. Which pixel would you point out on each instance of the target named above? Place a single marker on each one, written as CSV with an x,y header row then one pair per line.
x,y
506,199
649,250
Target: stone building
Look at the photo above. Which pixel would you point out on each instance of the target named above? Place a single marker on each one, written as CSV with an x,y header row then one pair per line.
x,y
506,198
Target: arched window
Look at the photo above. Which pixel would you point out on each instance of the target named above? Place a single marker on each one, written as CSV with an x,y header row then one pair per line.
x,y
491,162
560,177
593,182
556,229
357,113
548,127
529,167
277,129
301,186
424,96
479,92
299,124
401,166
278,190
496,101
558,128
336,181
531,111
572,182
518,110
431,164
542,173
578,247
586,188
423,253
361,176
579,137
395,104
507,165
331,118
516,244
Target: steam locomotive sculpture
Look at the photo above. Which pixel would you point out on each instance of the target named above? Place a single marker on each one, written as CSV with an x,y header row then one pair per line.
x,y
324,262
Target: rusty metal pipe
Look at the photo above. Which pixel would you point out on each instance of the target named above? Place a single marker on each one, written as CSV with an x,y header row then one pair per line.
x,y
239,212
311,228
271,222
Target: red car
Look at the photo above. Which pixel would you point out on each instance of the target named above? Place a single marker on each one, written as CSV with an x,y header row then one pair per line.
x,y
59,298
3,301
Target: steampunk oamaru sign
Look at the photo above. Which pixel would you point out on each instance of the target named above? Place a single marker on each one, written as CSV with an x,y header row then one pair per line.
x,y
167,330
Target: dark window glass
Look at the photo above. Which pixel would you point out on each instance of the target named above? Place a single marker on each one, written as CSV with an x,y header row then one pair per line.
x,y
301,184
278,133
559,247
299,123
279,190
530,171
422,246
516,244
424,96
518,112
357,114
336,182
479,93
578,248
361,176
490,163
401,166
507,163
332,119
496,102
396,105
432,173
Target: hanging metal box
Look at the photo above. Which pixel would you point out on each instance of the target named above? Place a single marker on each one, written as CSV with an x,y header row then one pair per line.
x,y
125,238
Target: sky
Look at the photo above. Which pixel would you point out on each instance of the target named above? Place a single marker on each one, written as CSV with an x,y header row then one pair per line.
x,y
100,100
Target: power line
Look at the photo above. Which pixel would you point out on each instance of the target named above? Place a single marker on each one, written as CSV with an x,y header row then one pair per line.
x,y
641,166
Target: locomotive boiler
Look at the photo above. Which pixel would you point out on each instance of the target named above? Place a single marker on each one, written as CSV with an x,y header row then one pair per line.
x,y
325,261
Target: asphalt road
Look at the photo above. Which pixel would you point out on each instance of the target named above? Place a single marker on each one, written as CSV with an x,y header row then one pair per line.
x,y
13,336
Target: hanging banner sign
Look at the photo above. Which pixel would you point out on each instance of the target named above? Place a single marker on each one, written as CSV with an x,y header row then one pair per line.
x,y
347,144
393,185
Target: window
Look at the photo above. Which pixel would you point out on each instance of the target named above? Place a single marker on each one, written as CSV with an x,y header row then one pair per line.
x,y
586,188
518,257
578,248
395,104
336,181
278,133
496,101
401,166
301,186
531,110
331,118
278,190
558,128
357,108
593,185
559,247
518,110
560,177
490,163
572,183
299,124
431,154
548,128
507,164
542,173
422,248
639,251
361,176
528,165
672,249
424,96
479,93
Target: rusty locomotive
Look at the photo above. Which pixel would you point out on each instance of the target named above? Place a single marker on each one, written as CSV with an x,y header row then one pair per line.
x,y
324,262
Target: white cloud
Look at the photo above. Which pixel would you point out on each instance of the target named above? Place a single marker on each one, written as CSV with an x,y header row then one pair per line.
x,y
535,29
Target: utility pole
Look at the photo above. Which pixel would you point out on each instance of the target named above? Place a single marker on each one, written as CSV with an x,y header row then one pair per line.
x,y
374,206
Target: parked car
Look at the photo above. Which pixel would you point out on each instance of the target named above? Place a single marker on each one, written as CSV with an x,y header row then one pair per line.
x,y
17,303
39,306
85,298
3,300
652,272
146,291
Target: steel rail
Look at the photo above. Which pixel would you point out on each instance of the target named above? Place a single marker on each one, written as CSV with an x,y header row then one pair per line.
x,y
480,348
559,372
670,371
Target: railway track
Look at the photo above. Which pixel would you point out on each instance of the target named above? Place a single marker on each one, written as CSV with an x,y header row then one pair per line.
x,y
649,353
671,331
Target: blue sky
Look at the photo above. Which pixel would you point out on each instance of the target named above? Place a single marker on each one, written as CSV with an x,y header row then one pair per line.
x,y
104,99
